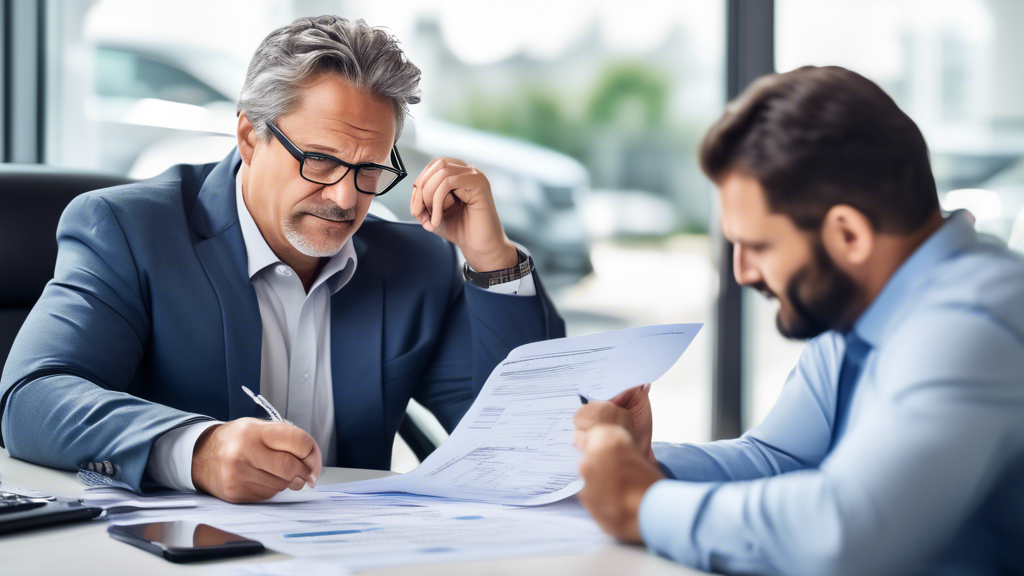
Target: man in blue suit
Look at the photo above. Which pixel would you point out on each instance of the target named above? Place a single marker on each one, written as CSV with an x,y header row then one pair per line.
x,y
264,271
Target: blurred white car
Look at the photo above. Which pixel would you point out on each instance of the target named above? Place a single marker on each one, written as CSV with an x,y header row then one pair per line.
x,y
611,213
157,106
997,204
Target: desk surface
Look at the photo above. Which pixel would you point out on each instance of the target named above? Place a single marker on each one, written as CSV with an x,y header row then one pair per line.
x,y
86,549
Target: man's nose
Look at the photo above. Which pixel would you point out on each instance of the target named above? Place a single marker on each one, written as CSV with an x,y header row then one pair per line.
x,y
343,193
745,273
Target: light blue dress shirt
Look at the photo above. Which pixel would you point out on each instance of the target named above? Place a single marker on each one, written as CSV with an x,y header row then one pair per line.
x,y
926,477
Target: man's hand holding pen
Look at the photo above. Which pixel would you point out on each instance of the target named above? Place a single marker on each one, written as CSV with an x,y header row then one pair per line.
x,y
249,460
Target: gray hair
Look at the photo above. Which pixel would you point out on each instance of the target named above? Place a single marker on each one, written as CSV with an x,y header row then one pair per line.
x,y
292,55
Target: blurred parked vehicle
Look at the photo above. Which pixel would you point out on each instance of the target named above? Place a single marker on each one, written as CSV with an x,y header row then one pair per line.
x,y
996,203
629,213
158,107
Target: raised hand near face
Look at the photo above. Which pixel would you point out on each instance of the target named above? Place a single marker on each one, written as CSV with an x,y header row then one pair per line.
x,y
453,200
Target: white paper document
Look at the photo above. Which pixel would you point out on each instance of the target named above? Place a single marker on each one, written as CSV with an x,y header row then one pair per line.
x,y
373,530
514,445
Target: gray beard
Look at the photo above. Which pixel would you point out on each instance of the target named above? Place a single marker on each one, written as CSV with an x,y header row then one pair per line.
x,y
304,245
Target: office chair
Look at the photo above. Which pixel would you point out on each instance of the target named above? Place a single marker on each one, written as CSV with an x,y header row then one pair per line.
x,y
32,199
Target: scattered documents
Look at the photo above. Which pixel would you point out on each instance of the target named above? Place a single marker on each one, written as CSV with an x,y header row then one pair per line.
x,y
365,531
476,496
514,445
117,501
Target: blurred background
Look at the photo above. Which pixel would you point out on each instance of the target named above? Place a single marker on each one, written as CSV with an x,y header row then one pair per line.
x,y
584,114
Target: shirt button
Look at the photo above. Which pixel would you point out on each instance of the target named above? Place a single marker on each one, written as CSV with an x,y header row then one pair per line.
x,y
305,376
283,270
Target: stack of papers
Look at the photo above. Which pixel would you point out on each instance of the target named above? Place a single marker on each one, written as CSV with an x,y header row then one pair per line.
x,y
471,499
366,531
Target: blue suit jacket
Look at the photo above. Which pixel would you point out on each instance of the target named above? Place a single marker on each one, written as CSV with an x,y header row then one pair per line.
x,y
151,323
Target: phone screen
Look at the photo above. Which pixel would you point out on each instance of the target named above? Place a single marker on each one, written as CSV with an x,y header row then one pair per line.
x,y
182,534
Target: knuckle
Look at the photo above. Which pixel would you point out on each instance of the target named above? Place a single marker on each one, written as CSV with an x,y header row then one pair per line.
x,y
233,454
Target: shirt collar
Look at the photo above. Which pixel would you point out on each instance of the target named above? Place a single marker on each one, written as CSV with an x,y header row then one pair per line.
x,y
953,237
338,270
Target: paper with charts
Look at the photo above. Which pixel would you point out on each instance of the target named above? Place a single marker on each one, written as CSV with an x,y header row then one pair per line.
x,y
514,446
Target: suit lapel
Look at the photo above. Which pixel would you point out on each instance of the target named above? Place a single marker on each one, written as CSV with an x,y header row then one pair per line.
x,y
221,250
357,313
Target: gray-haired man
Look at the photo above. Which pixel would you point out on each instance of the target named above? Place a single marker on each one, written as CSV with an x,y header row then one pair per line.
x,y
264,271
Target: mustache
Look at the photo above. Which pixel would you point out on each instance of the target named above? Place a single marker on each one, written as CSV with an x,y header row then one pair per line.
x,y
764,290
329,212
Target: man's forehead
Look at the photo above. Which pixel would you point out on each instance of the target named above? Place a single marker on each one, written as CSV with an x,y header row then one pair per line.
x,y
744,208
333,108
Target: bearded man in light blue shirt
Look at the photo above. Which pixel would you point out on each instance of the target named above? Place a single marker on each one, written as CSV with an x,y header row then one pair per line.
x,y
897,443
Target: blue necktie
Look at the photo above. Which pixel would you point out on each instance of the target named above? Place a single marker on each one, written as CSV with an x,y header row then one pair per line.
x,y
853,363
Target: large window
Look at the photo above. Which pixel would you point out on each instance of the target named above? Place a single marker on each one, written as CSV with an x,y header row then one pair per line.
x,y
585,116
957,68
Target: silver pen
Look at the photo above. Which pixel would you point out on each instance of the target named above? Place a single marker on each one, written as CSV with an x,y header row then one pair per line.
x,y
275,416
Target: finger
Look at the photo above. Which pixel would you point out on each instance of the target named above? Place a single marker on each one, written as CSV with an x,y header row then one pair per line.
x,y
596,413
263,478
284,437
435,165
441,194
460,188
297,484
315,463
283,465
412,202
604,436
429,187
418,208
579,438
584,418
432,186
631,395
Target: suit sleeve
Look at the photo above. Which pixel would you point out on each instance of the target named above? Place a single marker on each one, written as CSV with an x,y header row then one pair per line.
x,y
481,327
64,389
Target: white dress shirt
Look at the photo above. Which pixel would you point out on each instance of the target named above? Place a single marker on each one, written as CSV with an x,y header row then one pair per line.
x,y
295,367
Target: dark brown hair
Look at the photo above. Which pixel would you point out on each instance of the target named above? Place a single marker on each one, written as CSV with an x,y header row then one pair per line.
x,y
817,137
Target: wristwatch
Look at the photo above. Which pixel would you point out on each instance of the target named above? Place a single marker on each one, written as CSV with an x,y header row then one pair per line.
x,y
487,279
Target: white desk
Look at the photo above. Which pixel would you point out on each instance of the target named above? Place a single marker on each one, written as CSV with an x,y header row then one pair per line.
x,y
85,548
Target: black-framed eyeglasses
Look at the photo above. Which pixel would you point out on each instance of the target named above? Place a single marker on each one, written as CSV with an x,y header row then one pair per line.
x,y
327,170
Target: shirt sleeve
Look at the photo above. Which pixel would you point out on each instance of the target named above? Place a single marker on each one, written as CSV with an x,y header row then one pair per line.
x,y
942,428
521,287
170,460
793,436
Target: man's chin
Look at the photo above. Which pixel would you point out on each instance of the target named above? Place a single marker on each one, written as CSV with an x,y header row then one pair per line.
x,y
324,245
795,328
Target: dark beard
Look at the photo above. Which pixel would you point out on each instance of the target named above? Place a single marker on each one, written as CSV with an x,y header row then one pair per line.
x,y
827,305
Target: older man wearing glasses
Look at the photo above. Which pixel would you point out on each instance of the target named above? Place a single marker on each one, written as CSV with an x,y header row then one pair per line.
x,y
264,271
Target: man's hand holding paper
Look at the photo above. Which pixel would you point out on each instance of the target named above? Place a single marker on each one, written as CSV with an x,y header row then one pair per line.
x,y
631,410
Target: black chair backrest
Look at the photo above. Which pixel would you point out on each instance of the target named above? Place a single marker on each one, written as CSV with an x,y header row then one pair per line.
x,y
32,198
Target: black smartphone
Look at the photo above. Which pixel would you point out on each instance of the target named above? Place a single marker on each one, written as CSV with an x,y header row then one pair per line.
x,y
183,541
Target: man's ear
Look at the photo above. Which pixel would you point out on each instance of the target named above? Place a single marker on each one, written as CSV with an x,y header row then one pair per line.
x,y
246,138
848,236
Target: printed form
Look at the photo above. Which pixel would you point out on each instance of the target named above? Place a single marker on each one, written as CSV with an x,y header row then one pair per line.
x,y
514,446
